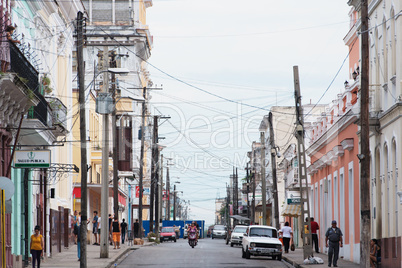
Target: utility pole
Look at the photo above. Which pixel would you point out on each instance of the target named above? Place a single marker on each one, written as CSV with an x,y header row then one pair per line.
x,y
304,189
167,194
365,230
227,214
236,193
264,183
248,190
154,179
157,188
83,138
253,172
160,189
273,164
104,245
174,202
144,112
114,141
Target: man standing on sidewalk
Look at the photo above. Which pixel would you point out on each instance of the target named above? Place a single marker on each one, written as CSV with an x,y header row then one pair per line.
x,y
334,235
314,228
136,228
123,227
95,227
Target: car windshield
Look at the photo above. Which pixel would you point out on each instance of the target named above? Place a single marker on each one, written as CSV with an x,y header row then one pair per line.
x,y
263,232
239,229
219,227
167,230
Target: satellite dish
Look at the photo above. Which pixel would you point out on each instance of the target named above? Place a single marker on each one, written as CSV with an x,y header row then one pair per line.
x,y
8,186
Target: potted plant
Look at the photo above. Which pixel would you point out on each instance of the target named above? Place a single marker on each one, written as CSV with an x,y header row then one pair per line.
x,y
46,84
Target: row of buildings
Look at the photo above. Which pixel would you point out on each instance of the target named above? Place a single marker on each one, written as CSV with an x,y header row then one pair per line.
x,y
39,115
332,135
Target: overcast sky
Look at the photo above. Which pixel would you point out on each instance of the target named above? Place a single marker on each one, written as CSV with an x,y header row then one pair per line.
x,y
223,64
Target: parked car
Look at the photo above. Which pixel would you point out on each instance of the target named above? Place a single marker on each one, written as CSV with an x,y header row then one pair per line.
x,y
237,235
219,231
261,240
167,233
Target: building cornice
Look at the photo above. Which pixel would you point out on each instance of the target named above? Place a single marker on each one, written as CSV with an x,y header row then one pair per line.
x,y
349,118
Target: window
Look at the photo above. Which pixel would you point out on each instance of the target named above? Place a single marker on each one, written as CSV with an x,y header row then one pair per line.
x,y
351,204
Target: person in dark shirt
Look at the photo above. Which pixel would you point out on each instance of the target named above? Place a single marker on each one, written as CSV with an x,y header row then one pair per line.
x,y
110,233
314,235
136,228
334,236
115,230
123,227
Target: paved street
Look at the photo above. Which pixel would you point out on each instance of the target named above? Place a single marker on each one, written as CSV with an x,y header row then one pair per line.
x,y
208,253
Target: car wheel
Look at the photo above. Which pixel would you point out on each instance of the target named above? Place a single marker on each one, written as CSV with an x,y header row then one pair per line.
x,y
161,240
248,254
279,257
243,254
231,244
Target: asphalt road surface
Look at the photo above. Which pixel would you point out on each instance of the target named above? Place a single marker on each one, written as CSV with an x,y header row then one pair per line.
x,y
208,253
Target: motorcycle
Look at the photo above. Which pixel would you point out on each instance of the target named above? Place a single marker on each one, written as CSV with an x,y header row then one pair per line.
x,y
192,239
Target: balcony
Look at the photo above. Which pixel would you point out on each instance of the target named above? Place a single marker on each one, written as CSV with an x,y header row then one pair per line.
x,y
58,115
15,99
43,122
19,88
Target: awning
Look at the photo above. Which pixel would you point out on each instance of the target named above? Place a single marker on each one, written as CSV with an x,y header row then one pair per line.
x,y
77,192
239,218
292,210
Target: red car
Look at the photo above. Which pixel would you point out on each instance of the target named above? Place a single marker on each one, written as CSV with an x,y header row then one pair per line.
x,y
167,233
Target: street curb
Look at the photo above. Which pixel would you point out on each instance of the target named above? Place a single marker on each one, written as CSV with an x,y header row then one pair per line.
x,y
117,259
112,262
291,262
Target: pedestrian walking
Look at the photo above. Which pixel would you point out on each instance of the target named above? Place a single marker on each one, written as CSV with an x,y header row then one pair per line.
x,y
115,230
334,235
36,246
314,235
79,243
287,235
123,227
136,228
95,227
306,239
5,47
110,233
75,226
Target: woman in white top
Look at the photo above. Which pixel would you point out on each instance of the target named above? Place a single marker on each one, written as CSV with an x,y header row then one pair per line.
x,y
287,236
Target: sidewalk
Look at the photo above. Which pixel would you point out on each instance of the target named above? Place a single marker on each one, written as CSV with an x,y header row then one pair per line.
x,y
295,258
68,258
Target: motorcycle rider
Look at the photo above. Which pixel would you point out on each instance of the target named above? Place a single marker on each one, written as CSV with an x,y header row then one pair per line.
x,y
192,228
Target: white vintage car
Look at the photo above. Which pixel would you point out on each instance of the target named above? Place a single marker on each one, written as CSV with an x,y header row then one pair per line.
x,y
261,240
237,235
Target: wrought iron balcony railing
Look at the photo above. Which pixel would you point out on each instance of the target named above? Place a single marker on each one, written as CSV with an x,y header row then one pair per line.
x,y
26,71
